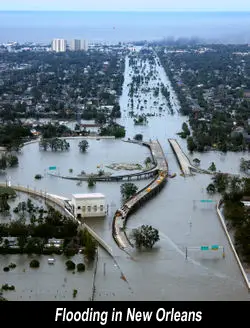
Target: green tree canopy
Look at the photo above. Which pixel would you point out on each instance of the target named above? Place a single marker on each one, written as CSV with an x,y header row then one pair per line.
x,y
128,189
145,236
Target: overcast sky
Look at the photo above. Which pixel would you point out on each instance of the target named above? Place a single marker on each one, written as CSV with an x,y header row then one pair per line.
x,y
130,5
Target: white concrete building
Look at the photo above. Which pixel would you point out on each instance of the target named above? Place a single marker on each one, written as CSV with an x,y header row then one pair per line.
x,y
89,205
59,45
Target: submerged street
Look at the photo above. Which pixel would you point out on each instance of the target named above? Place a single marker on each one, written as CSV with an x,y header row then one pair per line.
x,y
176,268
183,220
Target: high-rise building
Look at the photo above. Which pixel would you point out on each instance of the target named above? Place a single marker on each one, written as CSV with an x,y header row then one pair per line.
x,y
84,45
59,45
77,45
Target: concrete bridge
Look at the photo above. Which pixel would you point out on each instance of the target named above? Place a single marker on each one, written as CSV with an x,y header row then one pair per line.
x,y
146,174
186,167
132,204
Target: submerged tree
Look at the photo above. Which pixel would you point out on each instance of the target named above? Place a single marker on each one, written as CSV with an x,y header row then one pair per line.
x,y
145,236
244,165
196,161
54,144
138,137
211,189
128,189
91,181
4,206
90,245
83,145
212,167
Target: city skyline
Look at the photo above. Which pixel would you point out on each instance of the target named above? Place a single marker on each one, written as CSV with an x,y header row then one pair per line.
x,y
129,5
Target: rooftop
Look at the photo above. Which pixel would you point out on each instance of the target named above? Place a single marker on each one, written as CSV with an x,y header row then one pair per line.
x,y
93,195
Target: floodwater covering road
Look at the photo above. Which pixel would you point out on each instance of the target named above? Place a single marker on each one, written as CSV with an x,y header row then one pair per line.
x,y
184,222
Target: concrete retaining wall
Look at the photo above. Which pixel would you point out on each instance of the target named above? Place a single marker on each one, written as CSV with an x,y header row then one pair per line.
x,y
231,244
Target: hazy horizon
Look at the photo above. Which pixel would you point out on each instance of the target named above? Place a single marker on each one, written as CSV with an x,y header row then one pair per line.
x,y
125,5
125,26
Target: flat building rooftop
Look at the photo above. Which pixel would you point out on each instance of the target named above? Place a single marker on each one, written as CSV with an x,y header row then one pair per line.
x,y
92,195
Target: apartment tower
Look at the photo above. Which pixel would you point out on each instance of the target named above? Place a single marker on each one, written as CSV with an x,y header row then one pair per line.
x,y
77,45
59,45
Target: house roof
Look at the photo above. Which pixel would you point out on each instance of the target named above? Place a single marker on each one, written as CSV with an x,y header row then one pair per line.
x,y
93,195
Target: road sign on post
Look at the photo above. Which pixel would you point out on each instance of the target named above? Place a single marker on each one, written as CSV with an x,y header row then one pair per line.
x,y
204,248
206,201
52,168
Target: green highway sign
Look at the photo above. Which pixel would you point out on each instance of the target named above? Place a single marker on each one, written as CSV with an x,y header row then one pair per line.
x,y
52,168
212,247
206,201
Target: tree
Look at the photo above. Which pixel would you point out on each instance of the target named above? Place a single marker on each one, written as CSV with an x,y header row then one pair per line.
x,y
80,267
211,188
145,236
34,264
3,163
212,167
141,120
21,241
196,161
4,206
113,129
148,161
83,145
101,172
221,181
12,160
128,189
244,165
138,137
191,144
90,245
6,243
77,127
91,181
70,265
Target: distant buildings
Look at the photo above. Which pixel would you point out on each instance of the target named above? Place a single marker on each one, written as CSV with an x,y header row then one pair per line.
x,y
59,45
77,45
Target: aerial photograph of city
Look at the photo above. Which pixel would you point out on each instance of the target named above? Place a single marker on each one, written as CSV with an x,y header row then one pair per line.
x,y
124,150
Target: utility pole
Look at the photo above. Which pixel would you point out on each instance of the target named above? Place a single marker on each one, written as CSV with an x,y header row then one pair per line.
x,y
104,269
190,226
